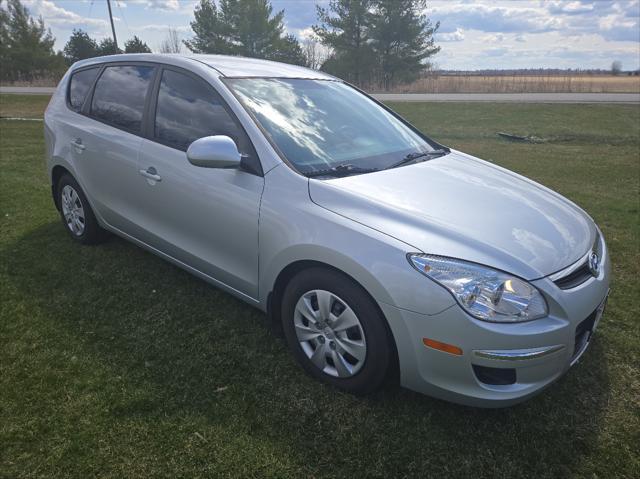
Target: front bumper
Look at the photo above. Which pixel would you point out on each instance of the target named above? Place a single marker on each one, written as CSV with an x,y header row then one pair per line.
x,y
536,353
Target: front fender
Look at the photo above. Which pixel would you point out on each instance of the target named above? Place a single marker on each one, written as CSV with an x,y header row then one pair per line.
x,y
293,228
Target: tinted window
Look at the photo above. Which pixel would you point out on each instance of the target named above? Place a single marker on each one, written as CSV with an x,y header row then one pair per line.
x,y
120,94
189,109
79,87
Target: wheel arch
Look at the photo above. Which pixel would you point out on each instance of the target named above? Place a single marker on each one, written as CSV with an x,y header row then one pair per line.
x,y
56,173
274,300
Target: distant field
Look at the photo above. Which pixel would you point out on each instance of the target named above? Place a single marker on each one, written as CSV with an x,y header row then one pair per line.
x,y
523,84
495,84
114,363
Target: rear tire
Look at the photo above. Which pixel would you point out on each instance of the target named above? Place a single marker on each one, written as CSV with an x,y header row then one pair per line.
x,y
76,213
336,331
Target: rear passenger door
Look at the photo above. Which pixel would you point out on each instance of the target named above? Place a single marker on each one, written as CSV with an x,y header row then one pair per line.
x,y
206,218
108,138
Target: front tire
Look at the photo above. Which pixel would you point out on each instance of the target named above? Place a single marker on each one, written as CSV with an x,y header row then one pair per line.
x,y
335,331
76,213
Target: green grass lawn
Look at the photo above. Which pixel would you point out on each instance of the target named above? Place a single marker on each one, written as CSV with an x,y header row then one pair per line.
x,y
22,106
114,363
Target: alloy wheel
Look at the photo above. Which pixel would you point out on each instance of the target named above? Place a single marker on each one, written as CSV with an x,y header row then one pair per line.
x,y
72,210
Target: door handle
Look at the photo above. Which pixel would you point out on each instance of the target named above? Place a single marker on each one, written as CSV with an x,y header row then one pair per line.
x,y
151,174
77,144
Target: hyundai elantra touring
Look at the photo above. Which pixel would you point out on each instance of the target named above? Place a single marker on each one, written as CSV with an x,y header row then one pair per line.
x,y
381,252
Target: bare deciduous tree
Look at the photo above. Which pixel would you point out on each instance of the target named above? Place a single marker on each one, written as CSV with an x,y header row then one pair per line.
x,y
171,43
315,52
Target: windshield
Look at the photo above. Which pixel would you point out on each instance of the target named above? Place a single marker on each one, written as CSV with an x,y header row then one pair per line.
x,y
322,124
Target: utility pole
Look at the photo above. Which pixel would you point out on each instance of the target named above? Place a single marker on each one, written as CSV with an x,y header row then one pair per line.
x,y
113,29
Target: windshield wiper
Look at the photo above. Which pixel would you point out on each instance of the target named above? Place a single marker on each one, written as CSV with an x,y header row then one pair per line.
x,y
340,170
413,157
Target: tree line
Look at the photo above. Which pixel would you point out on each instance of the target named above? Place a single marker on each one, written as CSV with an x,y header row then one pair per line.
x,y
372,43
368,42
81,46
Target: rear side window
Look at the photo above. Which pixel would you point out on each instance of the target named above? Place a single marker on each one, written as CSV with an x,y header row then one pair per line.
x,y
79,87
119,96
189,109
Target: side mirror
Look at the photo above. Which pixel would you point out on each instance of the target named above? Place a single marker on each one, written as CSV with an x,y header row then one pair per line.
x,y
218,151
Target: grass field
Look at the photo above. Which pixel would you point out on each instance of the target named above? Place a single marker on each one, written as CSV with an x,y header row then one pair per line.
x,y
522,84
114,363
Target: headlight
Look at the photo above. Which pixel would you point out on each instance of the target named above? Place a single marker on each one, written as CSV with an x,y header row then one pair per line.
x,y
483,292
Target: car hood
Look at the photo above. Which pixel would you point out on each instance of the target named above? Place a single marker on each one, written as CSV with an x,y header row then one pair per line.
x,y
463,207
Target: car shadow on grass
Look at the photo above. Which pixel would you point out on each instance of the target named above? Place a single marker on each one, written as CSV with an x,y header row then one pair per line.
x,y
204,363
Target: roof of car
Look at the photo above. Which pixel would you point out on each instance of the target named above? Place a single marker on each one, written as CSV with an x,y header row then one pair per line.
x,y
244,66
228,66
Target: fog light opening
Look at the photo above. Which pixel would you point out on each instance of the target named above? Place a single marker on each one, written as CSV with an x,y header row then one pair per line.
x,y
495,376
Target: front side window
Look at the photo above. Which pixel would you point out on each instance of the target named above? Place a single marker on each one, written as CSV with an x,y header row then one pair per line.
x,y
189,109
322,124
120,94
79,87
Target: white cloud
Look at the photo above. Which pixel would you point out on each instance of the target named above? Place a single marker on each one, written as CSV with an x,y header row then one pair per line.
x,y
570,8
166,5
494,38
302,33
496,52
56,15
589,31
164,28
511,17
618,26
455,36
177,6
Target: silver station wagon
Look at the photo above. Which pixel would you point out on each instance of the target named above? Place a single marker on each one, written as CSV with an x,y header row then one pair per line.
x,y
382,253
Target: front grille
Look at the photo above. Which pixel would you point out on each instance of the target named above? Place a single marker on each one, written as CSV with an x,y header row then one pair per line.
x,y
583,272
575,278
583,331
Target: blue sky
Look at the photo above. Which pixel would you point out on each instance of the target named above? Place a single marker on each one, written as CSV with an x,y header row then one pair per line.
x,y
473,34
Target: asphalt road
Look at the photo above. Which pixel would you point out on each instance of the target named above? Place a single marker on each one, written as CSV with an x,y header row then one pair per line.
x,y
27,90
461,97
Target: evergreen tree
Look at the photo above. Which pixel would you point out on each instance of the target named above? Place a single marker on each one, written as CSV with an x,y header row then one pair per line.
x,y
80,46
289,51
252,31
135,45
27,45
402,39
4,38
243,27
210,33
376,41
344,28
108,47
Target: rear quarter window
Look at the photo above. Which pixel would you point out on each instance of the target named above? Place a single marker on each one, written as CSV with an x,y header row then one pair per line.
x,y
120,94
79,86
